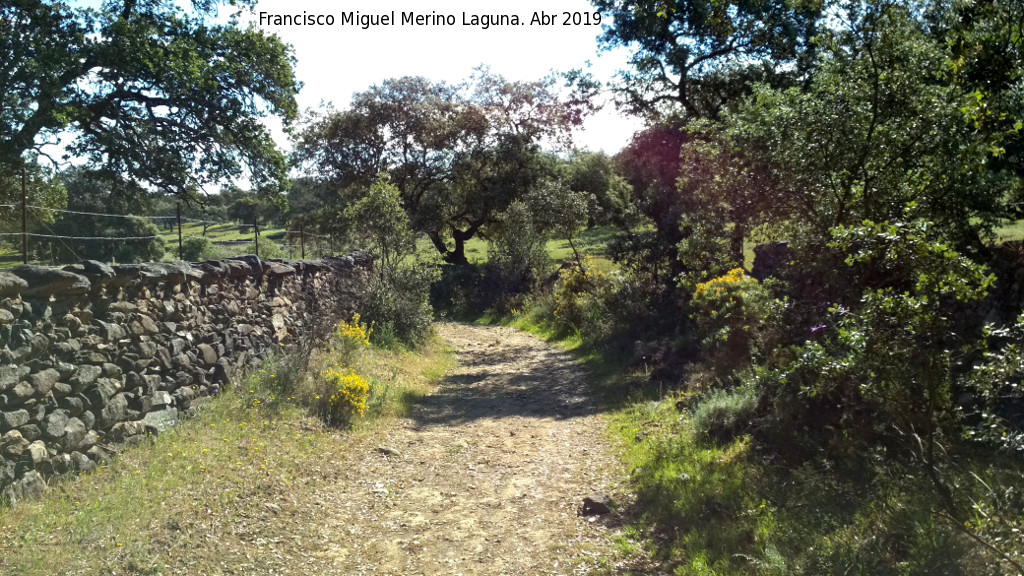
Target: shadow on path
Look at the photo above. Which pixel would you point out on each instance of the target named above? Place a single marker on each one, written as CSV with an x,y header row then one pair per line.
x,y
518,376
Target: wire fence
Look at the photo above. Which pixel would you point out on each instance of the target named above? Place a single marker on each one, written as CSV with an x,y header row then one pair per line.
x,y
38,241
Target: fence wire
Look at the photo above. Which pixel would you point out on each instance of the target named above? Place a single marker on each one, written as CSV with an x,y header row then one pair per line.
x,y
314,246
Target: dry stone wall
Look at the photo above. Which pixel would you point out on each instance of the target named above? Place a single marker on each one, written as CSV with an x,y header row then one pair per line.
x,y
93,356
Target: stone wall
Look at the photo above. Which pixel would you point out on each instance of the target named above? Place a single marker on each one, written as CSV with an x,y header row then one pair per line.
x,y
95,356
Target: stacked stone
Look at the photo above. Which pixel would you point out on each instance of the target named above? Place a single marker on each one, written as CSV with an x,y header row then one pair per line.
x,y
93,356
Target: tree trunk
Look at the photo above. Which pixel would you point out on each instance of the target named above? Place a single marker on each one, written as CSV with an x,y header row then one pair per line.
x,y
579,261
739,233
458,255
439,245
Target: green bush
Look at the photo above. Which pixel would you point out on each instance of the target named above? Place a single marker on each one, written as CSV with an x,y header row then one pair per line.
x,y
887,348
196,248
398,305
706,250
516,256
884,377
140,251
581,296
268,249
729,312
460,292
397,302
641,309
722,415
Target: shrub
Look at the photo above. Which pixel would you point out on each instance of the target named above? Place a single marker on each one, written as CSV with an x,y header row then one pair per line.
x,y
729,312
345,396
647,258
268,249
706,250
399,304
581,297
556,210
721,415
896,370
271,381
196,248
642,309
398,299
380,224
888,349
460,291
516,256
350,338
146,251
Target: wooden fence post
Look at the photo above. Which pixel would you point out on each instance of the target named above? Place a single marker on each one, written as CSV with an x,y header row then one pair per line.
x,y
24,218
180,257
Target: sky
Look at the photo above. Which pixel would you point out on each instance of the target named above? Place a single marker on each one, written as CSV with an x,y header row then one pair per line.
x,y
336,61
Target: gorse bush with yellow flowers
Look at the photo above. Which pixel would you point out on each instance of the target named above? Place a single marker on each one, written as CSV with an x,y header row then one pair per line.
x,y
729,312
351,338
348,395
338,392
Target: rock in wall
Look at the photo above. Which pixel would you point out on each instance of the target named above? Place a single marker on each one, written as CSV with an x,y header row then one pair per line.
x,y
95,356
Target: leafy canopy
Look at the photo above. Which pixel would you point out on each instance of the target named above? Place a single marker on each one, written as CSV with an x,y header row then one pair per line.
x,y
149,90
882,125
380,223
459,155
692,57
127,238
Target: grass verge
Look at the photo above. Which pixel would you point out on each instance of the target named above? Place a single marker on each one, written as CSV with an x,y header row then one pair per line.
x,y
714,500
183,502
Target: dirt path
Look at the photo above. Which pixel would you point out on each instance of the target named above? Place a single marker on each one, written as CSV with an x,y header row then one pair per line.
x,y
484,478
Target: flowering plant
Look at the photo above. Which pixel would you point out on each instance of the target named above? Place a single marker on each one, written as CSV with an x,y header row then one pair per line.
x,y
728,311
351,337
349,393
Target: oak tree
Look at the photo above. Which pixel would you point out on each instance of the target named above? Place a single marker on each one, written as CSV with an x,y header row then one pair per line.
x,y
692,57
159,94
458,154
